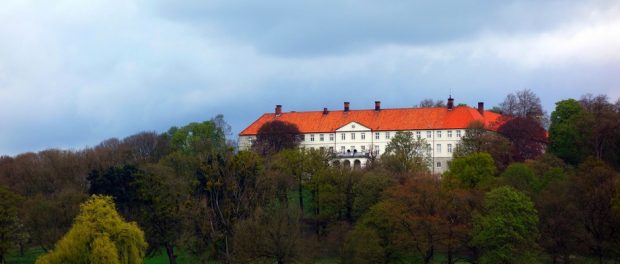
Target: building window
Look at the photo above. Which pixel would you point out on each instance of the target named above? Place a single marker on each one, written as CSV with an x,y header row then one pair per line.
x,y
331,149
439,164
363,136
353,149
322,149
450,148
363,148
429,147
377,135
417,134
376,149
343,136
352,136
438,148
449,133
387,135
449,163
429,134
458,133
342,149
311,137
439,134
331,137
321,137
303,137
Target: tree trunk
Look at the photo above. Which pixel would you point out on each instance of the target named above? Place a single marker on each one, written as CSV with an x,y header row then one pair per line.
x,y
301,197
429,255
317,211
170,252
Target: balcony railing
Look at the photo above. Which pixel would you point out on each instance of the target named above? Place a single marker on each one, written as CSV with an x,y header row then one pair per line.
x,y
351,155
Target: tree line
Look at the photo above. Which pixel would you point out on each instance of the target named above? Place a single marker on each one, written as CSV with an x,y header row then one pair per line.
x,y
522,194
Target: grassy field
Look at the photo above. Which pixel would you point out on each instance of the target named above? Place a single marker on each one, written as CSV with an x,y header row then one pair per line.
x,y
160,258
29,257
183,258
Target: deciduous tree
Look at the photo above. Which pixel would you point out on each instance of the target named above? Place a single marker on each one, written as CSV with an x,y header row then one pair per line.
x,y
274,136
99,234
507,229
473,171
272,235
478,139
528,137
11,227
592,193
406,154
564,137
524,104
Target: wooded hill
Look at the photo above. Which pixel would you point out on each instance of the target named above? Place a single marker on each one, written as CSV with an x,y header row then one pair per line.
x,y
523,195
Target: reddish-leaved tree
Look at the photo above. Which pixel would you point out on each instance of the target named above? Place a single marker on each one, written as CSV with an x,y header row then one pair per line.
x,y
274,136
528,137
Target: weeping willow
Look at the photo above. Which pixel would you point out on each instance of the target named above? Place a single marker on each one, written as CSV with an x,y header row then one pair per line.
x,y
99,235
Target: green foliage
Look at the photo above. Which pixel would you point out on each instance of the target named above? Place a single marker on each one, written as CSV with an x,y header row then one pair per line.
x,y
563,133
103,251
506,231
368,191
363,246
478,139
592,192
198,138
473,171
99,233
406,154
272,235
11,228
522,178
159,198
49,217
117,182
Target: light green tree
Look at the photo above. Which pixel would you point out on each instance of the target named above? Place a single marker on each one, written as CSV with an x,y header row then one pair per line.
x,y
99,235
506,231
406,154
472,171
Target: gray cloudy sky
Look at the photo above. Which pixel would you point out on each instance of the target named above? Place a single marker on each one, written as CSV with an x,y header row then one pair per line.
x,y
73,73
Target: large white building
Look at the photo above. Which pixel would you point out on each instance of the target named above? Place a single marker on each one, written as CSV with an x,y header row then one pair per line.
x,y
356,135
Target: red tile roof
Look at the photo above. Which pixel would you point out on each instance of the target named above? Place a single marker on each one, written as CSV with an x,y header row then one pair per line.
x,y
382,120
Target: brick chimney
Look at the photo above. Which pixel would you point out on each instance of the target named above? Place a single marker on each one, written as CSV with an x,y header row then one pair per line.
x,y
481,108
450,103
346,106
377,105
325,110
278,110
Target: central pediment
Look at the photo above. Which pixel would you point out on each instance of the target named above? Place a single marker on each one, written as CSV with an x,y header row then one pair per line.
x,y
352,126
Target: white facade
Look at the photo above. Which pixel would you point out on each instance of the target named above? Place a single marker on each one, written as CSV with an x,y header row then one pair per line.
x,y
355,142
